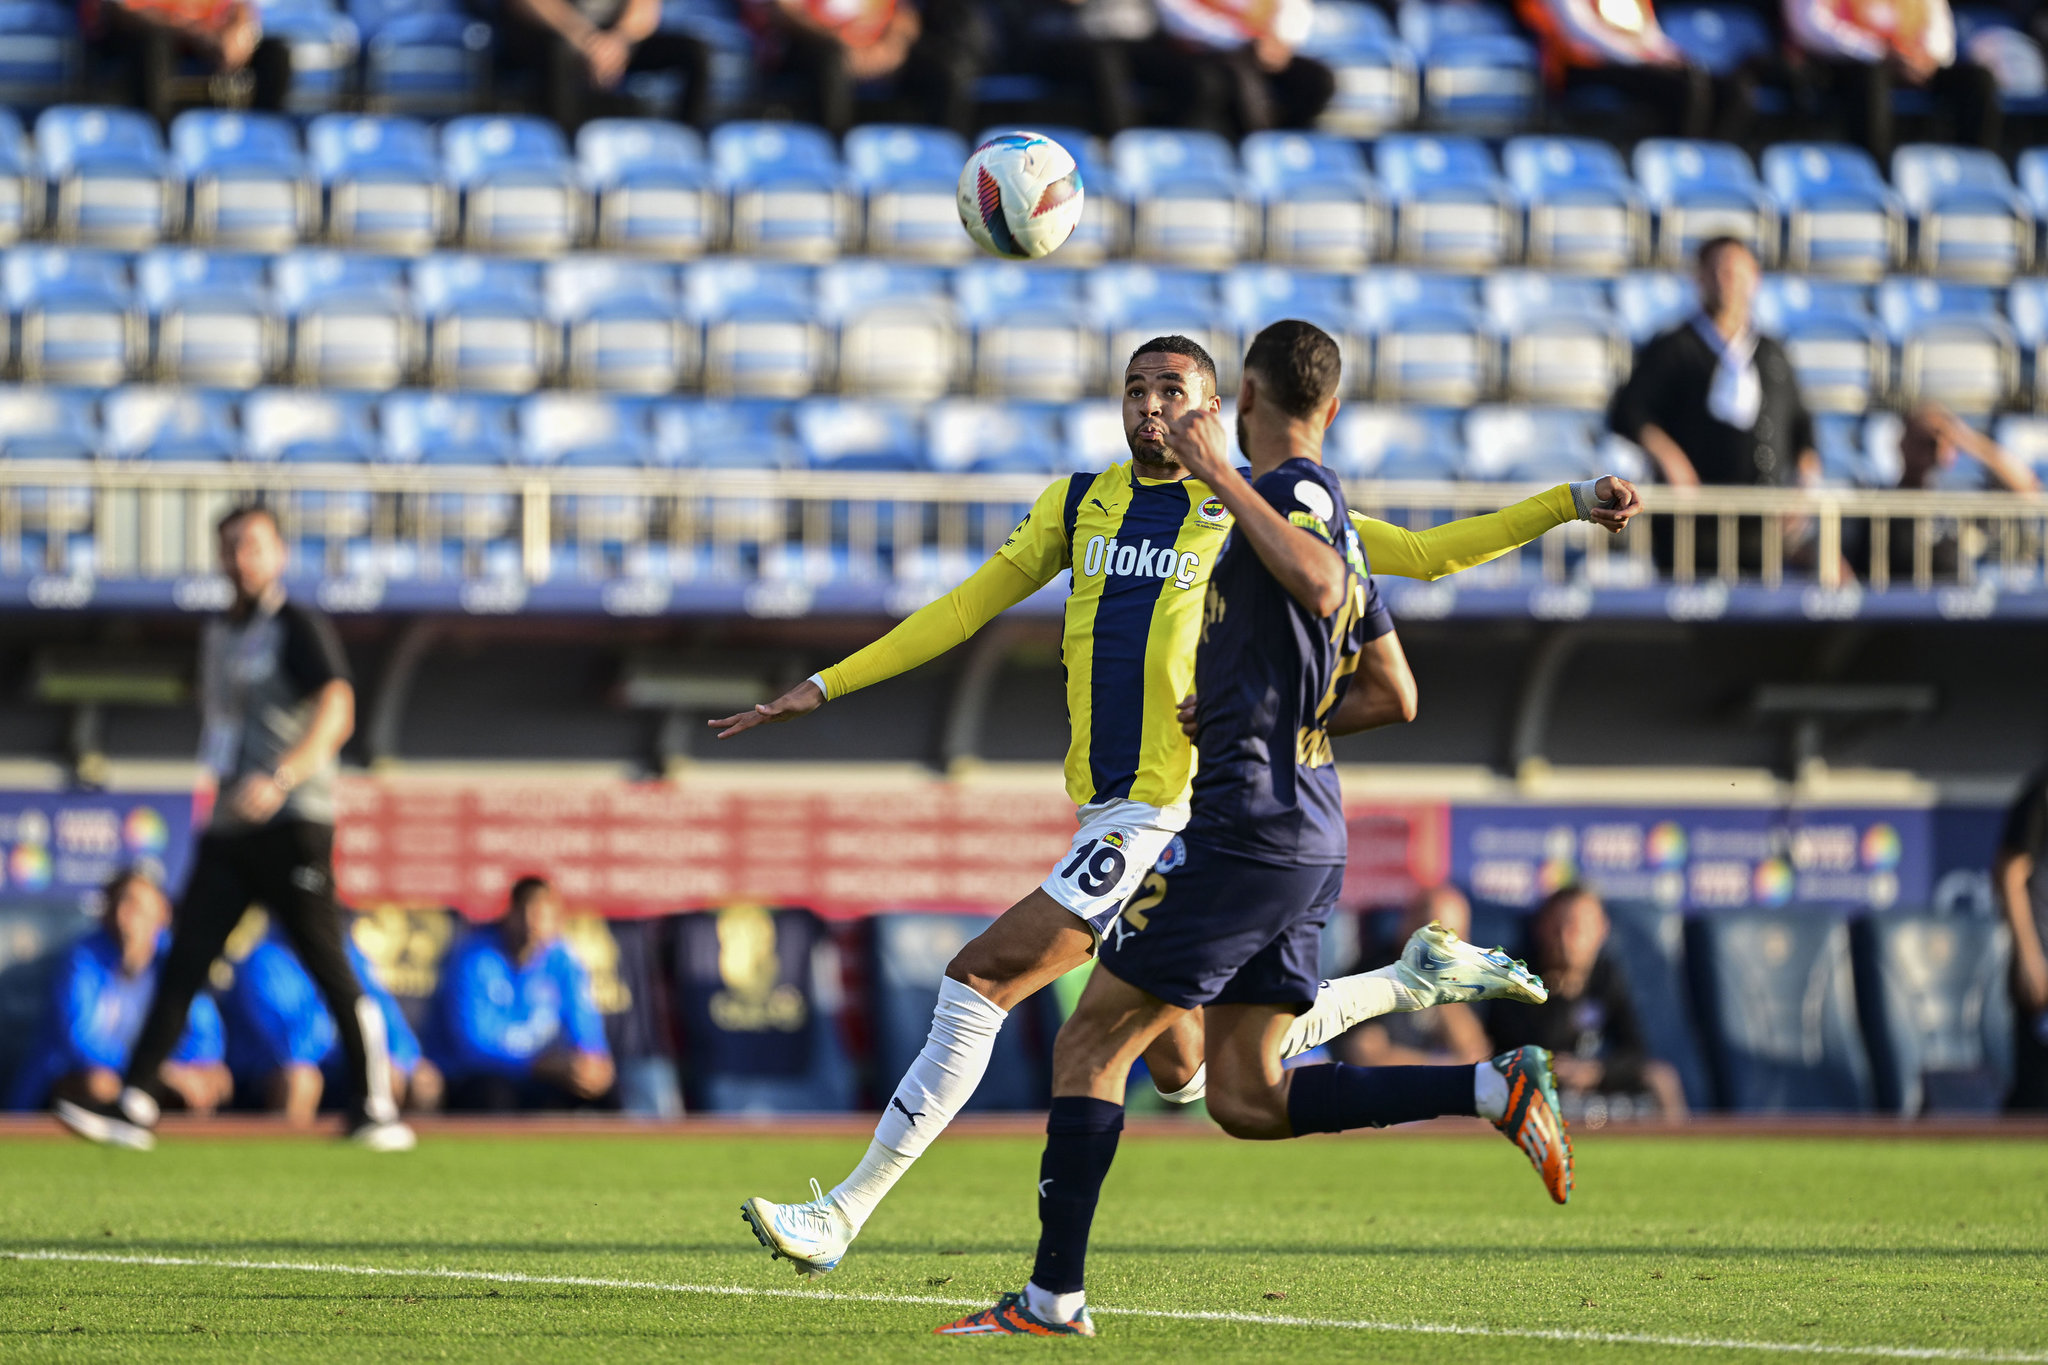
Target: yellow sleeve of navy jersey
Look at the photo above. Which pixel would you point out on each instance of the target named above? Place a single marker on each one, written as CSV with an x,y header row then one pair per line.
x,y
934,628
1039,545
1462,544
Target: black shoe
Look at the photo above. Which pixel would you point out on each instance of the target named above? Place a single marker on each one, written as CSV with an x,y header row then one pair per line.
x,y
127,1122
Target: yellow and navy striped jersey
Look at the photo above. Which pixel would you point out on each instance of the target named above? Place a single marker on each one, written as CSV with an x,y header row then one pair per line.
x,y
1141,551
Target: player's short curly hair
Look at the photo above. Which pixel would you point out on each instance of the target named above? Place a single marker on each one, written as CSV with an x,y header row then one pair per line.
x,y
1297,364
1187,347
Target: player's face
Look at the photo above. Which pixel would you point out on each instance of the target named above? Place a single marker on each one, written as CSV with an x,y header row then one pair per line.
x,y
252,555
1158,390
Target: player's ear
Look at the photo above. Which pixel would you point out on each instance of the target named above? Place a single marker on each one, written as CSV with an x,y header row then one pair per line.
x,y
1330,413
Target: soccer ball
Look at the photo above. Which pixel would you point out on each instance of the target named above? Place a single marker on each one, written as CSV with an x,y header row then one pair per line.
x,y
1020,196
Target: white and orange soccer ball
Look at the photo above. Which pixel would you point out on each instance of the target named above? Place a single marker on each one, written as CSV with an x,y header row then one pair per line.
x,y
1020,196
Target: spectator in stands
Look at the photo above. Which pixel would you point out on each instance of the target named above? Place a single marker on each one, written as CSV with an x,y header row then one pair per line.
x,y
583,50
1621,48
2020,881
1231,66
97,1001
1854,52
1085,47
281,1041
1589,1023
1930,451
1443,1036
151,38
933,51
515,1024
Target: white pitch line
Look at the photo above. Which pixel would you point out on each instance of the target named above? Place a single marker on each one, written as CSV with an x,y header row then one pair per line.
x,y
1178,1315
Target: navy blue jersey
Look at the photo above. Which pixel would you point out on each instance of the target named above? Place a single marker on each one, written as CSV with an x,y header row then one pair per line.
x,y
1268,672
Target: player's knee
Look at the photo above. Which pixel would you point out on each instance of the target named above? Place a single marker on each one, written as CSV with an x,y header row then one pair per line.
x,y
1253,1117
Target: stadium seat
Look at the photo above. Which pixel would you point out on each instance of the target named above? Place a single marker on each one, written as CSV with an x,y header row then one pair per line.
x,y
109,181
53,521
1647,942
910,956
1378,86
1836,439
1529,445
2025,438
1778,1007
1430,343
428,63
1582,211
1370,441
445,428
21,182
1255,296
1478,73
1954,348
761,333
32,935
1188,204
744,433
1840,216
2026,306
351,324
1936,1014
653,191
2032,172
246,183
1700,190
1134,302
324,46
213,318
41,55
898,333
1105,226
976,436
1841,357
45,424
142,422
1720,38
1968,220
1649,301
1451,208
1033,338
587,430
907,176
294,426
486,326
382,180
786,189
1321,208
1092,435
74,315
519,189
623,322
1561,341
853,434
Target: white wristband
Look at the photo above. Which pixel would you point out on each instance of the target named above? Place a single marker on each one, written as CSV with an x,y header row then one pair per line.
x,y
823,690
1585,499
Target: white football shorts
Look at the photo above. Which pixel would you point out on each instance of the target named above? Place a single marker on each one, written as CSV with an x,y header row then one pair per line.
x,y
1118,843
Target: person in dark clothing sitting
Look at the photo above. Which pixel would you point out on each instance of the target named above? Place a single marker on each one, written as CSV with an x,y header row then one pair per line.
x,y
1589,1023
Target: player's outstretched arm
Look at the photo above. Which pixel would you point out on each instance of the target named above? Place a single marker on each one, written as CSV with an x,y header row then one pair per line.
x,y
918,638
1458,545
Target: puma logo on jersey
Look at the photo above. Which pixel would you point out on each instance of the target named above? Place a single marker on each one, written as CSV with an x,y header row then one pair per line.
x,y
1105,555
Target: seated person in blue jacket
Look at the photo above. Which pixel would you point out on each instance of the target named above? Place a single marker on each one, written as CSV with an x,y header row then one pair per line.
x,y
514,1022
282,1043
97,1001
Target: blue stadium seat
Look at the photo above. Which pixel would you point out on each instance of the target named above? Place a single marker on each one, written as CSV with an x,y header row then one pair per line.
x,y
1954,348
761,333
45,424
583,430
519,189
1840,216
1478,73
1369,441
143,422
898,333
786,188
1135,302
907,176
1561,341
1321,207
214,322
1651,300
53,527
430,64
294,426
1720,38
324,47
1647,943
2025,438
2026,306
1778,1008
1033,337
1704,189
32,935
1843,362
76,319
2032,170
1257,295
352,326
1529,445
1104,229
743,433
852,434
1430,343
382,179
1836,441
1092,435
109,181
911,952
623,321
445,428
977,436
1451,207
1377,81
653,191
246,183
41,55
1188,203
1936,1014
21,182
486,327
1583,212
1968,219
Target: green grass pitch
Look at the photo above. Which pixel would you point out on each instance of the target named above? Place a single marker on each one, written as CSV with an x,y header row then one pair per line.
x,y
1926,1249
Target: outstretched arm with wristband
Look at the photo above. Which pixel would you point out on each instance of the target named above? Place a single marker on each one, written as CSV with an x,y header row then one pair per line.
x,y
1455,546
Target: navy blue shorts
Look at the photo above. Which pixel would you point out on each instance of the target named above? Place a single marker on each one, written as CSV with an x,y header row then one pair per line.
x,y
1211,928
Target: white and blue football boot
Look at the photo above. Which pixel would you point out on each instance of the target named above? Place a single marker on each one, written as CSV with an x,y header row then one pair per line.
x,y
1439,968
812,1237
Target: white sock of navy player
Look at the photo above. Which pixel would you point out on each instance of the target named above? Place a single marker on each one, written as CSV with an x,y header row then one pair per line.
x,y
1341,1005
932,1091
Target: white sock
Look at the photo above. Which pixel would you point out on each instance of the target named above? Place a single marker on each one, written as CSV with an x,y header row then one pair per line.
x,y
1347,1002
1489,1091
1047,1306
1197,1086
939,1082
